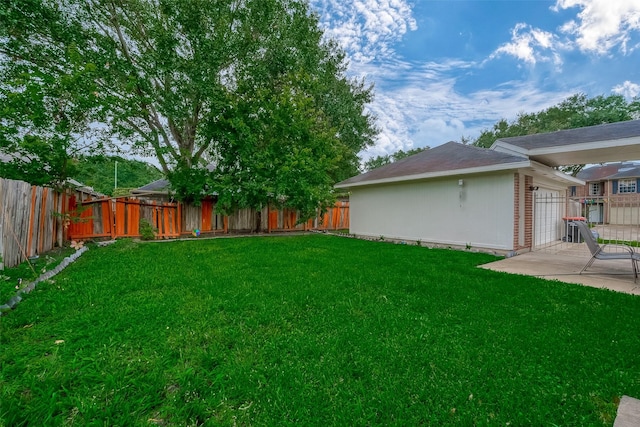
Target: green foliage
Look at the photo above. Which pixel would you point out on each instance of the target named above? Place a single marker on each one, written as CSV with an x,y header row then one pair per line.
x,y
99,172
190,184
196,82
574,112
47,92
147,231
312,330
378,161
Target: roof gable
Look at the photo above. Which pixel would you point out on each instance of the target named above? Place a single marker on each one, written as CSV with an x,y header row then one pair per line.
x,y
611,142
604,132
446,159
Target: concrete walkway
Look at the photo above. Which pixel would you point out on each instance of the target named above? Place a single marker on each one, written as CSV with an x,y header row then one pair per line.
x,y
564,264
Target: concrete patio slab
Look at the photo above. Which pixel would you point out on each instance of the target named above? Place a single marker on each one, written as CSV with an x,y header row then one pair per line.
x,y
628,414
564,264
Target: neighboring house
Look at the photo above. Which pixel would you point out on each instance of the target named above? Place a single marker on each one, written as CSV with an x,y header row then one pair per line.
x,y
157,190
461,195
161,189
610,192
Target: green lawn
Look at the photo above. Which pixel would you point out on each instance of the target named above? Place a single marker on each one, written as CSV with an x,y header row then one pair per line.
x,y
312,330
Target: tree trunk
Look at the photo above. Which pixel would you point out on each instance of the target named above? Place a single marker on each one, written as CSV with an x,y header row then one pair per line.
x,y
258,221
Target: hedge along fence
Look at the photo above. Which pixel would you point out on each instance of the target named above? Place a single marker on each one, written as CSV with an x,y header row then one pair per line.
x,y
32,220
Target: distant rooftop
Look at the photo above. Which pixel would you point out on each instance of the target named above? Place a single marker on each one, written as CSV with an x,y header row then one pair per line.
x,y
610,171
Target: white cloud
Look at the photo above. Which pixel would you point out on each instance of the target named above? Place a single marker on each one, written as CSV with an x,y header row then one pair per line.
x,y
531,45
429,110
366,29
627,89
602,24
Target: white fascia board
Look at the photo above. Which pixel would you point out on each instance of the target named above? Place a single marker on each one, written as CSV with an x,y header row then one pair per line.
x,y
440,174
503,147
583,146
555,174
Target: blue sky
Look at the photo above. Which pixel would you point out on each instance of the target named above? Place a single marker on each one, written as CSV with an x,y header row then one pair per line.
x,y
448,69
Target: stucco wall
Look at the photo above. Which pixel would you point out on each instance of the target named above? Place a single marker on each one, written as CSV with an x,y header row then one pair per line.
x,y
478,213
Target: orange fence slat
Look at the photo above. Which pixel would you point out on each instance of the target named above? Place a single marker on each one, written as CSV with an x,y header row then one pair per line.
x,y
133,212
121,217
273,220
207,210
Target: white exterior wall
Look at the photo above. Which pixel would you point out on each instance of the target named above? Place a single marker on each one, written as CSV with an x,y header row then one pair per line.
x,y
479,213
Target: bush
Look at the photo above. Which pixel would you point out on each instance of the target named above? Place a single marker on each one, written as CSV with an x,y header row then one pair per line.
x,y
147,231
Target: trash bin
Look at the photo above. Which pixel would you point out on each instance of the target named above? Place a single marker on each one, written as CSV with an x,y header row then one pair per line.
x,y
571,231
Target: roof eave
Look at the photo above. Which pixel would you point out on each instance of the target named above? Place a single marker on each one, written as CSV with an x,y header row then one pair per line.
x,y
556,174
438,174
611,143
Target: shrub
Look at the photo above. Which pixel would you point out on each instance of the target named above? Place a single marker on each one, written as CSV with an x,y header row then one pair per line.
x,y
147,231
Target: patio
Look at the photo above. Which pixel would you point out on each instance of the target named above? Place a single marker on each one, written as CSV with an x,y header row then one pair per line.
x,y
563,262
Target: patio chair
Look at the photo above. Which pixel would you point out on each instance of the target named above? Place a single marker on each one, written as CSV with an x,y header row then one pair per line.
x,y
598,252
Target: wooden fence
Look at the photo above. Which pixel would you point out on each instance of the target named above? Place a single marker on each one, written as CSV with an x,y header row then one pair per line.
x,y
121,217
35,219
31,221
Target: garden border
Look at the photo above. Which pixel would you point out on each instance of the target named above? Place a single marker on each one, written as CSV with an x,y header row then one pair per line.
x,y
13,301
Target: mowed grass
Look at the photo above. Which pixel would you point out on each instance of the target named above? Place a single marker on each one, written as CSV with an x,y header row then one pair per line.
x,y
312,330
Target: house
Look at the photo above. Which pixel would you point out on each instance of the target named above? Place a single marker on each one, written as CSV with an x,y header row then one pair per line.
x,y
611,192
157,190
459,195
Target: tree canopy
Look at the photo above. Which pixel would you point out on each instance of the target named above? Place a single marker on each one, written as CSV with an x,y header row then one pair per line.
x,y
249,86
376,162
100,173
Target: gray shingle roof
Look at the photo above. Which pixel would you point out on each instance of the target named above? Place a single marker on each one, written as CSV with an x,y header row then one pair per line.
x,y
158,185
605,132
448,157
610,171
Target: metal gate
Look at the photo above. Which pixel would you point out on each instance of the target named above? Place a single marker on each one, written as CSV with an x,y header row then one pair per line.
x,y
613,219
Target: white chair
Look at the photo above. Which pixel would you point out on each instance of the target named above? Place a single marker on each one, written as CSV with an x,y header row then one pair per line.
x,y
598,252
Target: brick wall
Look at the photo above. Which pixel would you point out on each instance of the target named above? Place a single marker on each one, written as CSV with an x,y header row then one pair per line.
x,y
528,212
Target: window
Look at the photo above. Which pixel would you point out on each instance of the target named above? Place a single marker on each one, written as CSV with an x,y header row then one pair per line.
x,y
594,189
626,186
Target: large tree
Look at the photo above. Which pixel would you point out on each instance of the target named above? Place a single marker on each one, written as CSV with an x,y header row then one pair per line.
x,y
47,95
250,86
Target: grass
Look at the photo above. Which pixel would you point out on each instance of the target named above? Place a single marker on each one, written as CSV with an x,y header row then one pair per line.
x,y
631,243
312,330
28,271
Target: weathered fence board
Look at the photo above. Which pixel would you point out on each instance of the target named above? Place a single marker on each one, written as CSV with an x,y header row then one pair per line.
x,y
30,221
120,217
336,218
